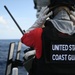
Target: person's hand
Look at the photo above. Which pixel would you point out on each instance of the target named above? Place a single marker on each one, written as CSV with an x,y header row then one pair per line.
x,y
41,18
43,15
29,54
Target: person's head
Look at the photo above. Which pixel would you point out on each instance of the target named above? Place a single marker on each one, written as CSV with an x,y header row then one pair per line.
x,y
58,5
52,4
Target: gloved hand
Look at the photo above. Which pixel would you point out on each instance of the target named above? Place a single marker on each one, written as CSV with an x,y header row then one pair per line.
x,y
41,19
29,54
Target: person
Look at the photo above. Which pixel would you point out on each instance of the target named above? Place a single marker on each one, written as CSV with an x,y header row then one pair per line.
x,y
54,44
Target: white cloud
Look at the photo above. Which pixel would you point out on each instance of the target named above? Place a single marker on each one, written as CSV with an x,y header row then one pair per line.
x,y
2,20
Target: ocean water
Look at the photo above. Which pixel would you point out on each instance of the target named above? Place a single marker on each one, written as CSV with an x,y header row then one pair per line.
x,y
4,48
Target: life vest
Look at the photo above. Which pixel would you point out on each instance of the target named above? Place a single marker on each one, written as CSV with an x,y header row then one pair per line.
x,y
58,53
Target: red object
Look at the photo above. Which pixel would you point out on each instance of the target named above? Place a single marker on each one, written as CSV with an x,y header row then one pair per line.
x,y
33,39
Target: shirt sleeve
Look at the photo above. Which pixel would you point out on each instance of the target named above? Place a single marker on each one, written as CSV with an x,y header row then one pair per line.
x,y
30,39
33,39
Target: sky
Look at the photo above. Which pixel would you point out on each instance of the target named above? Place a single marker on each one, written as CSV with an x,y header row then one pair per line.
x,y
23,12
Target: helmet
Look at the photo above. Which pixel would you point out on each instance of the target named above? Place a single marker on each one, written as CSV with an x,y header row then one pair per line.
x,y
57,3
38,4
70,2
43,3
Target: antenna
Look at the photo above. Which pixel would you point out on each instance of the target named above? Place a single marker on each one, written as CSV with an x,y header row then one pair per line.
x,y
14,20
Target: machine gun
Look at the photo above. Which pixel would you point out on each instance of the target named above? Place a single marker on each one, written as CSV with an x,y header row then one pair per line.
x,y
12,65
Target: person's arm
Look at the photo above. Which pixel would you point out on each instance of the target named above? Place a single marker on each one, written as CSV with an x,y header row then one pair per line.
x,y
33,39
29,34
32,36
41,19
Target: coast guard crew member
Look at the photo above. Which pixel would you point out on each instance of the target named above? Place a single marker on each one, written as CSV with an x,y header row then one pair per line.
x,y
54,45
